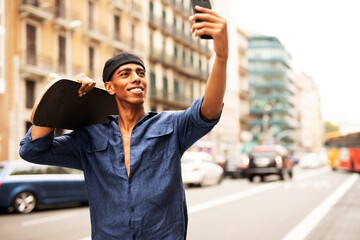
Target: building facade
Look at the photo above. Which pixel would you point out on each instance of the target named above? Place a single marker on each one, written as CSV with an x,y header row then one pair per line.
x,y
65,37
273,112
312,130
4,104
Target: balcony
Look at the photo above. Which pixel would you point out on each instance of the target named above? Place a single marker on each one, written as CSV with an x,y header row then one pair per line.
x,y
244,94
37,66
121,5
41,13
96,33
136,10
170,100
184,68
243,71
185,38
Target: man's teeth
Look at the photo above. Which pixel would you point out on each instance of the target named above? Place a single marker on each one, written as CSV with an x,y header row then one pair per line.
x,y
136,90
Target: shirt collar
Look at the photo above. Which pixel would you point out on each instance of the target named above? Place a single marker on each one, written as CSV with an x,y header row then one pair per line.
x,y
147,116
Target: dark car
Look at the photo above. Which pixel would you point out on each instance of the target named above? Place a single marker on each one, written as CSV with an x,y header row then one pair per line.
x,y
25,186
236,167
269,160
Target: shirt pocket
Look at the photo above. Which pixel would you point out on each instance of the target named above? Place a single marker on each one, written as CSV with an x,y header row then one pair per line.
x,y
160,131
98,154
159,143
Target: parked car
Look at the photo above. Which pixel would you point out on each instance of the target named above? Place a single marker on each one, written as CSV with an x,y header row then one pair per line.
x,y
200,168
236,167
311,160
269,160
24,186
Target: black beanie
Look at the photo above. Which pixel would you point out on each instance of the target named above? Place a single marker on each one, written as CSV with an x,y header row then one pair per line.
x,y
115,62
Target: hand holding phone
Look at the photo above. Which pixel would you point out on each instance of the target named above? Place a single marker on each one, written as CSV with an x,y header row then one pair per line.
x,y
204,4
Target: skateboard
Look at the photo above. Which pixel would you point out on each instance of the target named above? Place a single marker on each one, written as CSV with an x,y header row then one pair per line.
x,y
59,105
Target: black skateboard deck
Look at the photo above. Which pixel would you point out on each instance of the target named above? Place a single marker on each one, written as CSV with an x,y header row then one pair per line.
x,y
60,106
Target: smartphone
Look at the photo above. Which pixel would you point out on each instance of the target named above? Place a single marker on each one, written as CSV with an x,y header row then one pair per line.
x,y
201,3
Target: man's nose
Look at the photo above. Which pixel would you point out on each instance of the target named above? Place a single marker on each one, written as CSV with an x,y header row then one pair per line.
x,y
135,77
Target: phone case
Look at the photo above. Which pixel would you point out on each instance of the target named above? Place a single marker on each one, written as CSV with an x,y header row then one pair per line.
x,y
201,3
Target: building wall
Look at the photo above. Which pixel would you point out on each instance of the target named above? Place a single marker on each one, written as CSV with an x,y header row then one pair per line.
x,y
4,121
311,123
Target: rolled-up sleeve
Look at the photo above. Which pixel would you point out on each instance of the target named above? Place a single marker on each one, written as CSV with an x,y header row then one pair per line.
x,y
62,151
191,126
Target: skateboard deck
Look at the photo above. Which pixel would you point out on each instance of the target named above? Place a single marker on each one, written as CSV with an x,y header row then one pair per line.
x,y
59,106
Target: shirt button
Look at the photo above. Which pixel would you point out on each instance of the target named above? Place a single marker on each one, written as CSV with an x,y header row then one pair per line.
x,y
130,181
132,209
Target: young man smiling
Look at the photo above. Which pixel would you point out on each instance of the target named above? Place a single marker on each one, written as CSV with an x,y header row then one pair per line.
x,y
132,162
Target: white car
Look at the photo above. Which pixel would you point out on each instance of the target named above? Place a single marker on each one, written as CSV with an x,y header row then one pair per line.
x,y
200,168
310,160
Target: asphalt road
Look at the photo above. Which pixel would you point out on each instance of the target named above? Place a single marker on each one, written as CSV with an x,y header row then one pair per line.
x,y
316,204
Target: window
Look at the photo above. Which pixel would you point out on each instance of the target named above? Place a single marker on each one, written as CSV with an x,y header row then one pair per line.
x,y
30,93
175,53
151,10
174,24
133,32
176,90
184,57
91,13
152,84
31,2
117,28
27,126
163,18
151,42
191,91
60,9
30,44
91,61
62,54
165,87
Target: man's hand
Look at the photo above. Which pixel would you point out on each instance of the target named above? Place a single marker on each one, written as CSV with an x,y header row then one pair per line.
x,y
214,25
87,84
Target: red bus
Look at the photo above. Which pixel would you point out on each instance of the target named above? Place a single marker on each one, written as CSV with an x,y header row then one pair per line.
x,y
343,151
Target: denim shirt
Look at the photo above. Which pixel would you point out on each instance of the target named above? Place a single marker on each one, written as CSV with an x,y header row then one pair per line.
x,y
150,202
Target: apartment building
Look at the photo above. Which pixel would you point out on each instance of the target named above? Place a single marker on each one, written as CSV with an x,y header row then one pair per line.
x,y
70,37
3,76
65,37
273,112
312,130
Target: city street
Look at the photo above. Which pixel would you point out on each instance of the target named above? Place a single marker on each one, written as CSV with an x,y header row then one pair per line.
x,y
316,204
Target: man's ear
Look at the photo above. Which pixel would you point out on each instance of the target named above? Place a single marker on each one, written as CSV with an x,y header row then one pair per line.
x,y
109,87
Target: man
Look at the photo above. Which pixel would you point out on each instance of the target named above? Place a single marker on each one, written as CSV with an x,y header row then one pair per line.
x,y
132,162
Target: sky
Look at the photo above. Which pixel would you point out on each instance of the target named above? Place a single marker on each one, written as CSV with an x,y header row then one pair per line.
x,y
323,38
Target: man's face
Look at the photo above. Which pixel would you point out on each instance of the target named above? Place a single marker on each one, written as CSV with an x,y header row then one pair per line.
x,y
128,83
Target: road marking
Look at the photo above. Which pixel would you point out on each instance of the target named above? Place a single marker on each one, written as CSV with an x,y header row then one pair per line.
x,y
49,219
310,174
243,194
248,193
302,230
231,198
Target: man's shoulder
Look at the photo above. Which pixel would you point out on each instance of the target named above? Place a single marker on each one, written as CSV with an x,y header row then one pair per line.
x,y
95,130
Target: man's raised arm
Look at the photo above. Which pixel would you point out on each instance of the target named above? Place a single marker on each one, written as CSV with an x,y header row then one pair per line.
x,y
215,26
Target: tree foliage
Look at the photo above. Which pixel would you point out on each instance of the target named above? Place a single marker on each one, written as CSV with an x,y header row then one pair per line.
x,y
329,127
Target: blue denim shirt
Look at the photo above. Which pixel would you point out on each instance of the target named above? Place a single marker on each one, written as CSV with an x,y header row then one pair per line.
x,y
150,203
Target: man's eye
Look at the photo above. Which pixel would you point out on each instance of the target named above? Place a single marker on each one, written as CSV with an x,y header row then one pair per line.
x,y
124,74
141,74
